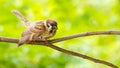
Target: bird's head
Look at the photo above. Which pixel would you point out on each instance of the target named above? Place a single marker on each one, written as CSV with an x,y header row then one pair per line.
x,y
51,25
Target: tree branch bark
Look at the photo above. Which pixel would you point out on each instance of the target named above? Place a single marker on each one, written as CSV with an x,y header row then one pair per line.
x,y
86,34
83,56
13,40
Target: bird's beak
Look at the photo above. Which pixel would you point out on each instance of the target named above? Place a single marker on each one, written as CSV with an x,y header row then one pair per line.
x,y
54,27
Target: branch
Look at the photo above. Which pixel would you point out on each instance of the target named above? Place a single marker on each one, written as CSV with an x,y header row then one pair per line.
x,y
86,34
13,40
82,56
2,39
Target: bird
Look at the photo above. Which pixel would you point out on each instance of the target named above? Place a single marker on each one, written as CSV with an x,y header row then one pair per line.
x,y
42,30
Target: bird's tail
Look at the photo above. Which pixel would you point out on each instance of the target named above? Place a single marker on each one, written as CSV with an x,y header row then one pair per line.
x,y
23,40
20,16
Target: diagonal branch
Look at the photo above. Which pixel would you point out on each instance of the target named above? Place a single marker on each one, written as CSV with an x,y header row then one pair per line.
x,y
82,56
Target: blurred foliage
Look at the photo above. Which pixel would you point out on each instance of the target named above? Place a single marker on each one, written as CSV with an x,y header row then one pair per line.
x,y
73,16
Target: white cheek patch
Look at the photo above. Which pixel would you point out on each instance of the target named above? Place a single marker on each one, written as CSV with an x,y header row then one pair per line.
x,y
48,28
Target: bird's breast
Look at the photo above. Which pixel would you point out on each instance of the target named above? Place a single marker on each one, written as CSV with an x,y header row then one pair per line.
x,y
46,34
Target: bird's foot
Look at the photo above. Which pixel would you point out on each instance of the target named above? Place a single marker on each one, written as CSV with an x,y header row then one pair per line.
x,y
46,42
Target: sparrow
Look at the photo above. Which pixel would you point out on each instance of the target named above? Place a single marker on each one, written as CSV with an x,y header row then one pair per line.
x,y
41,30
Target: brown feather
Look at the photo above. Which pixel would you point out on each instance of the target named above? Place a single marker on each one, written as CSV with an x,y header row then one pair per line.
x,y
23,40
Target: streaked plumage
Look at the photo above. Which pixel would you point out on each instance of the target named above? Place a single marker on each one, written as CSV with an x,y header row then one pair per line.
x,y
39,30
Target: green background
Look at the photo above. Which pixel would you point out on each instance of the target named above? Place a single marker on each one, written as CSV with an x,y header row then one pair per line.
x,y
73,16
